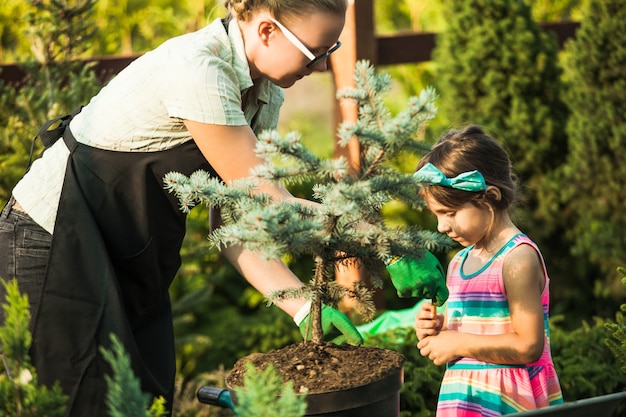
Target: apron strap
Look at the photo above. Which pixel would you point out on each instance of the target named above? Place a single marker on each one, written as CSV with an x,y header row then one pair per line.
x,y
70,140
49,136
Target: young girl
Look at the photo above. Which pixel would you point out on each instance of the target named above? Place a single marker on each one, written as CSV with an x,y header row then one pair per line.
x,y
494,338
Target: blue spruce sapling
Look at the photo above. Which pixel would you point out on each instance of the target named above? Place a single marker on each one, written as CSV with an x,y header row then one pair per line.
x,y
347,225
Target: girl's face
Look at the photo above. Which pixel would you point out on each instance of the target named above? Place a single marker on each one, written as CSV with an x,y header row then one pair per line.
x,y
467,224
284,63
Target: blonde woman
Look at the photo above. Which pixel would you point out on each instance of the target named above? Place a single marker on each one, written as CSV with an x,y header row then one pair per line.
x,y
90,233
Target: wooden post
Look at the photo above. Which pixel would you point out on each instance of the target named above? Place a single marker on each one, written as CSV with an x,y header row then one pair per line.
x,y
358,42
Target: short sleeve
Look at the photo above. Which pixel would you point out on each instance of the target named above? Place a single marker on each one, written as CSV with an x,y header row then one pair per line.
x,y
205,89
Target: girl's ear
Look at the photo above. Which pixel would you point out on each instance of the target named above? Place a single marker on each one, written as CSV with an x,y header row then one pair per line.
x,y
493,193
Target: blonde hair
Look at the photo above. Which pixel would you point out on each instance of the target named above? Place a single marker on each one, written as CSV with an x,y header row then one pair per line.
x,y
244,9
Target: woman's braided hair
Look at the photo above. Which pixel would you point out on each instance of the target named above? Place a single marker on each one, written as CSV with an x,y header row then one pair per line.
x,y
243,9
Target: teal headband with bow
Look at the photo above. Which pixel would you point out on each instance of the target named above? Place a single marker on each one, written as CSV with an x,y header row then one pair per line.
x,y
466,181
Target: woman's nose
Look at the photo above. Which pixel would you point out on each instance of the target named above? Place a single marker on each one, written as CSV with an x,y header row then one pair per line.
x,y
321,66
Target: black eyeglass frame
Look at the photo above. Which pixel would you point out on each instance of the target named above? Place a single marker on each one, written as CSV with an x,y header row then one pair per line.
x,y
324,55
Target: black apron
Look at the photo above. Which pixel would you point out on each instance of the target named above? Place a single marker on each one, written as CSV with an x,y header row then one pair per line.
x,y
115,250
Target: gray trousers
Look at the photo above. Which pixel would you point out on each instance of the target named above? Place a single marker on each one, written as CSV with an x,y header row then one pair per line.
x,y
24,249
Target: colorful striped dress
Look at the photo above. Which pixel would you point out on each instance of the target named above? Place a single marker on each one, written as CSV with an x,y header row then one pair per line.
x,y
478,305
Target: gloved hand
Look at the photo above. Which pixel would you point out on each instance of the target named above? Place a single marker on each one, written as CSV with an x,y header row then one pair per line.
x,y
420,277
334,322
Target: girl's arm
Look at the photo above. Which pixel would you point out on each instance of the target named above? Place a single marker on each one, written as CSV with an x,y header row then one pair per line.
x,y
524,282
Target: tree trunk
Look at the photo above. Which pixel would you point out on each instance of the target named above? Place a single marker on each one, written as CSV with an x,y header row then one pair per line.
x,y
316,305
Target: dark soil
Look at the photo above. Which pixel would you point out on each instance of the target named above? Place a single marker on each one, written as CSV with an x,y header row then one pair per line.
x,y
327,367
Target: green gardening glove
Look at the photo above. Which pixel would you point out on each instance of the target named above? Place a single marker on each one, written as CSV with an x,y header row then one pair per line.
x,y
334,322
419,276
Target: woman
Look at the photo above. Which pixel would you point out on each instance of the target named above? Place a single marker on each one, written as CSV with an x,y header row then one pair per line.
x,y
90,233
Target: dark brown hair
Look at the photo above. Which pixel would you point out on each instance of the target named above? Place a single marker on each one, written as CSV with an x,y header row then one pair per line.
x,y
469,149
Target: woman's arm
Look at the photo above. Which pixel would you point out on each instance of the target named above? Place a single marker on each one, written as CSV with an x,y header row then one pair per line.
x,y
231,152
524,281
264,275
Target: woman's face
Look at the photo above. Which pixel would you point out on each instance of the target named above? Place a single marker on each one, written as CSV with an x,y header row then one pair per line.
x,y
280,60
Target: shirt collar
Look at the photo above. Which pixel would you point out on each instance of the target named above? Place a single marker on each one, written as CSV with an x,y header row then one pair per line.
x,y
241,67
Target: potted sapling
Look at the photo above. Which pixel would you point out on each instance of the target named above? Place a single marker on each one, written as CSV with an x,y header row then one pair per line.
x,y
345,227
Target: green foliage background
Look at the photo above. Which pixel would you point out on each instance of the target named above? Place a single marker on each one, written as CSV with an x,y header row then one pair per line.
x,y
218,318
20,393
500,70
596,129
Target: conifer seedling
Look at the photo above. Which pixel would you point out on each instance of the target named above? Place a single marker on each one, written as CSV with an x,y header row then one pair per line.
x,y
347,225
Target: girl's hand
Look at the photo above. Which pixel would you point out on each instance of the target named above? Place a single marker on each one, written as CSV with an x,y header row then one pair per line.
x,y
441,348
426,322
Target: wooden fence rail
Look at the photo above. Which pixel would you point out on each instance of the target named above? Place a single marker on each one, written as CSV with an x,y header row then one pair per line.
x,y
401,48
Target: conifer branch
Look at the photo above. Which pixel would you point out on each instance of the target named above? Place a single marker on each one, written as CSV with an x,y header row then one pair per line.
x,y
20,392
264,394
124,395
617,345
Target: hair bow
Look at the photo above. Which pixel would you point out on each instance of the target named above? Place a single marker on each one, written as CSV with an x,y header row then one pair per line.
x,y
466,181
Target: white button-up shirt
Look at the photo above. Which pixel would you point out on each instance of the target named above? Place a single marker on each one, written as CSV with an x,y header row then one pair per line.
x,y
199,76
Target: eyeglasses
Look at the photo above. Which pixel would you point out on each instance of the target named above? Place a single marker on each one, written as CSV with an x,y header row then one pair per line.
x,y
298,44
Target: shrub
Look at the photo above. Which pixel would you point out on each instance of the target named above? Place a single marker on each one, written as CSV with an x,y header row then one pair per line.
x,y
20,393
617,344
594,173
585,365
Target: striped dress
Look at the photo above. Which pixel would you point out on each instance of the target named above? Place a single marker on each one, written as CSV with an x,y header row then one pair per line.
x,y
478,305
